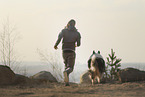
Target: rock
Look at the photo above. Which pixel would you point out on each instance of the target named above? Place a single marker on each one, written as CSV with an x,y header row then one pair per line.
x,y
84,78
44,76
131,74
7,76
20,79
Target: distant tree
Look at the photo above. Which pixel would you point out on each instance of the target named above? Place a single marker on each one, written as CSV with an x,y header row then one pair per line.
x,y
115,65
8,39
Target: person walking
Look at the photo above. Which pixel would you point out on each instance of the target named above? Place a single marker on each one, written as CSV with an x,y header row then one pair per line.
x,y
71,39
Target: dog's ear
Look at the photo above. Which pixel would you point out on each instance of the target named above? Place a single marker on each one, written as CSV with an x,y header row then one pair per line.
x,y
94,52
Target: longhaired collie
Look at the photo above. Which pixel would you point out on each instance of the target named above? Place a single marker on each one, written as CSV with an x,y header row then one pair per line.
x,y
96,65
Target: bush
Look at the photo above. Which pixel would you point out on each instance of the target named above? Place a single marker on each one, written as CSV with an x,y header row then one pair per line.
x,y
53,61
115,65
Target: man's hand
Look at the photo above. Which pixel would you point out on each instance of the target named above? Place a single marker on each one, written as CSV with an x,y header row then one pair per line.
x,y
55,47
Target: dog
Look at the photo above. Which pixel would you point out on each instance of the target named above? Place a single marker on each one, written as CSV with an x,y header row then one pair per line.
x,y
96,65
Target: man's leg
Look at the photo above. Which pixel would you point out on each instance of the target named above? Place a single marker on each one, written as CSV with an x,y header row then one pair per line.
x,y
66,79
69,60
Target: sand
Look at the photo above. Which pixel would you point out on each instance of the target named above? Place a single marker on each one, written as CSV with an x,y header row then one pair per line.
x,y
129,89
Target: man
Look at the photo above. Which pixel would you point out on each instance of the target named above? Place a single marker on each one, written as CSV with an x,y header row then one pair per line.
x,y
71,39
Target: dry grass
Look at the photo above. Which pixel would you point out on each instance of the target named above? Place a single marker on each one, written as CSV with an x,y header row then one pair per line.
x,y
135,89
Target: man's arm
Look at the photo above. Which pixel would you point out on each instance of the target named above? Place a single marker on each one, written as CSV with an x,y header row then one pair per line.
x,y
79,40
58,40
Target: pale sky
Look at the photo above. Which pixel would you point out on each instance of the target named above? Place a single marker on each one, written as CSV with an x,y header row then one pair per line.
x,y
103,24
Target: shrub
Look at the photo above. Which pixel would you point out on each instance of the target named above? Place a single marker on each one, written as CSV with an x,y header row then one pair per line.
x,y
115,65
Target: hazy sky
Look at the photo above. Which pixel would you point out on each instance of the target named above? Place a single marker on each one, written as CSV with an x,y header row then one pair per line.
x,y
103,24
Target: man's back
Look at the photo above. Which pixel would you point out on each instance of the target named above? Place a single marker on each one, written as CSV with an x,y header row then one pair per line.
x,y
70,37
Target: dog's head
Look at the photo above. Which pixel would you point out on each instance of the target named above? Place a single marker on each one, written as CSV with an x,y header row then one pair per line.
x,y
92,60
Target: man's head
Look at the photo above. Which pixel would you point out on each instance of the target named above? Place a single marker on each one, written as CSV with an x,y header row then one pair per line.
x,y
72,22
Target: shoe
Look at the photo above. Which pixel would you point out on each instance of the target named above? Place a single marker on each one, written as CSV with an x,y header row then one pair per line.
x,y
66,79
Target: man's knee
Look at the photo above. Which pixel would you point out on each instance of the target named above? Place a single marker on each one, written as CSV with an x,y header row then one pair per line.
x,y
69,70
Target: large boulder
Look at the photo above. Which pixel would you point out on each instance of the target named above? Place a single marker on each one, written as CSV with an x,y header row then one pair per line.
x,y
20,79
84,78
131,74
44,76
7,76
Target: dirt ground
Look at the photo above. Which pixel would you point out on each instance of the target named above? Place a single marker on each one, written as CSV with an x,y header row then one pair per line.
x,y
130,89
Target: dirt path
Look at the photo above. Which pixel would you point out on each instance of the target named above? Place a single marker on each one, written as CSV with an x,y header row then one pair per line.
x,y
135,89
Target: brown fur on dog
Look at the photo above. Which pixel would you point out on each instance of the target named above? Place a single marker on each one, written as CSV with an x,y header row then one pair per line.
x,y
96,67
